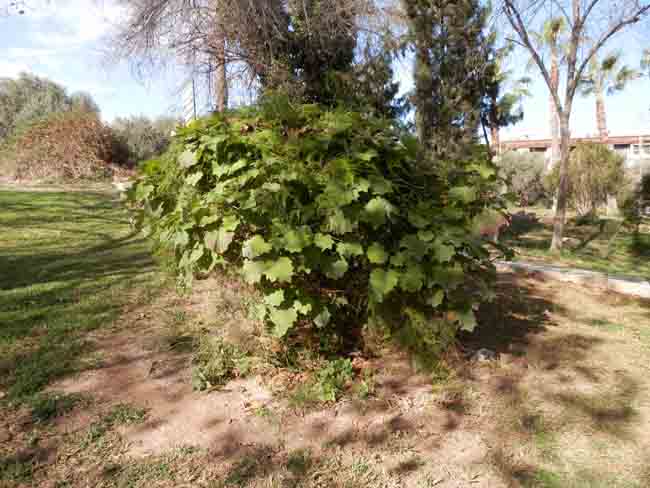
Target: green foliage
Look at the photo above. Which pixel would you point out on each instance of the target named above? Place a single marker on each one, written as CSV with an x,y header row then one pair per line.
x,y
140,138
327,384
607,75
29,98
325,212
314,59
46,406
299,462
595,172
332,378
371,84
524,175
120,414
634,202
124,414
215,362
454,73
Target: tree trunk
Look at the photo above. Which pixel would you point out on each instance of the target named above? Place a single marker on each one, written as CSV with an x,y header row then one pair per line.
x,y
601,117
554,119
560,211
496,141
220,81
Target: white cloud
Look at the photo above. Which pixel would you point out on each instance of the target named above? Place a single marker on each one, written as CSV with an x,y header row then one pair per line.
x,y
73,23
11,69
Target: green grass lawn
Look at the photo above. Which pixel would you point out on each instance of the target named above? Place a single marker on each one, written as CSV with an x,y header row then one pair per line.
x,y
604,246
69,261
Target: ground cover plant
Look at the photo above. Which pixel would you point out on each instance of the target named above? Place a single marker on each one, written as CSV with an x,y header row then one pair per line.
x,y
328,213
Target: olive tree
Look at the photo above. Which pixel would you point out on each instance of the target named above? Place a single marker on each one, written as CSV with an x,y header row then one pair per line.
x,y
28,98
595,172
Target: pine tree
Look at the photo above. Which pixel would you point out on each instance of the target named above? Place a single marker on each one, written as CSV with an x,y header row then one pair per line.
x,y
453,73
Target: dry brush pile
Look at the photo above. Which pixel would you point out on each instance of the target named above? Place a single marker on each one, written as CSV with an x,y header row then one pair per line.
x,y
63,146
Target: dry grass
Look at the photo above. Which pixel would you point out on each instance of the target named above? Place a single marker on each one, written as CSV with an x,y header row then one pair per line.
x,y
567,404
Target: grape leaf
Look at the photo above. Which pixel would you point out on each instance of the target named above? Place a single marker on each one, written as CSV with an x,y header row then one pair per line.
x,y
464,194
323,241
230,223
255,246
414,246
467,320
377,211
436,298
323,318
187,159
295,240
208,219
283,320
347,249
274,299
301,308
336,269
412,279
280,270
194,178
253,271
376,254
382,282
443,252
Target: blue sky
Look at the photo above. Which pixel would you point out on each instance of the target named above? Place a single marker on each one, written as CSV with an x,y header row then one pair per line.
x,y
63,40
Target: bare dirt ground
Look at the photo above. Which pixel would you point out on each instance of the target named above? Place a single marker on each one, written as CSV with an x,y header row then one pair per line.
x,y
566,404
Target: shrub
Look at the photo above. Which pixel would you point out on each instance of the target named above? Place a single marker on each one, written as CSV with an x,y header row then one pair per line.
x,y
216,362
328,213
29,98
67,145
524,175
595,172
635,200
140,138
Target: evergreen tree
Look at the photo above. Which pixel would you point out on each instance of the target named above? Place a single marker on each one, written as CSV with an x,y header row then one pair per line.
x,y
370,85
318,49
453,73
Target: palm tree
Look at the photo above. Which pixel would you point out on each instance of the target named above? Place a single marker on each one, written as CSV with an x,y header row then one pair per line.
x,y
551,39
608,76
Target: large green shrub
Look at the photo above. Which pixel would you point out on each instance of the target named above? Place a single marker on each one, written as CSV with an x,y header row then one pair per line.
x,y
139,138
595,171
524,175
636,199
327,212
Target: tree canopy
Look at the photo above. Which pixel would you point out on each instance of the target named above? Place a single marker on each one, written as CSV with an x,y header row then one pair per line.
x,y
28,98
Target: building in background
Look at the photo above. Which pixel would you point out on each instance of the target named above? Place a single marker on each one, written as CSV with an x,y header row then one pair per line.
x,y
635,149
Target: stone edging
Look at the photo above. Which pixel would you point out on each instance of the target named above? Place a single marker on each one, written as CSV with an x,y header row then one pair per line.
x,y
627,285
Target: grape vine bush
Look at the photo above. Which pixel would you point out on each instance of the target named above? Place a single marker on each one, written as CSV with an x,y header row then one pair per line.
x,y
329,214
